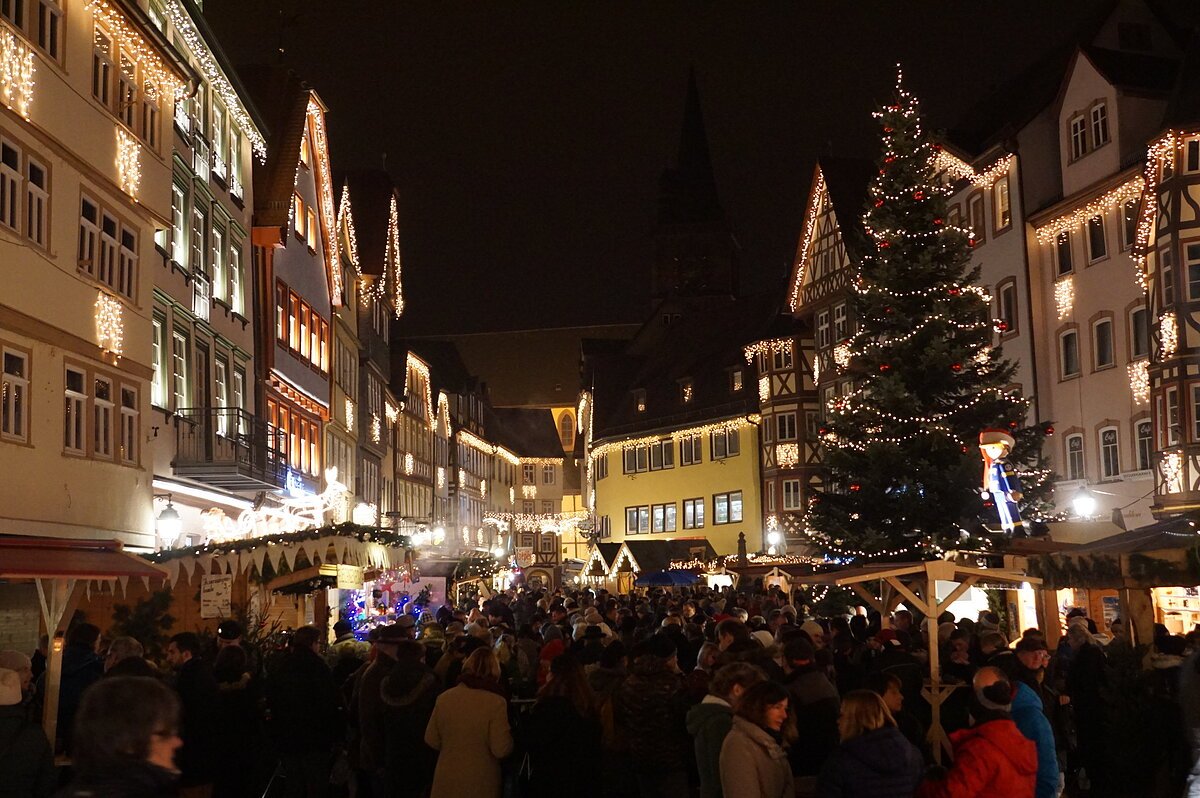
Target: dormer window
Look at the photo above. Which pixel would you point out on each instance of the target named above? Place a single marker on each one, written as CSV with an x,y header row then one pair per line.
x,y
639,400
735,380
686,390
1078,137
1099,125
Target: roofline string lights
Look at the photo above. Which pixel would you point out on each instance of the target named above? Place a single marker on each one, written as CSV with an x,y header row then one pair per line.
x,y
392,258
1075,220
768,347
131,41
217,80
16,72
810,233
413,363
728,425
324,182
960,169
1160,156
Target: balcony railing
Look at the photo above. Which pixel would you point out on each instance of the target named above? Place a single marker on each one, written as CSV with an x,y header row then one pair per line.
x,y
229,448
182,119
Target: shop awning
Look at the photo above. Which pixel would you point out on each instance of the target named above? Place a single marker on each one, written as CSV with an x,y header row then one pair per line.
x,y
65,558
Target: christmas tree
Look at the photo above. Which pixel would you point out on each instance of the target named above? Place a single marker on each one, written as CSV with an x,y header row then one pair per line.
x,y
901,457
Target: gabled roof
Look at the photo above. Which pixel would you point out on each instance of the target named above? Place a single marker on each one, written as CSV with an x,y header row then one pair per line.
x,y
1183,110
1133,71
283,100
371,193
656,555
527,432
702,347
447,371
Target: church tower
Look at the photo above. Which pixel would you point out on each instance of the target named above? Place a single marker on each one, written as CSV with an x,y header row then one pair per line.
x,y
695,253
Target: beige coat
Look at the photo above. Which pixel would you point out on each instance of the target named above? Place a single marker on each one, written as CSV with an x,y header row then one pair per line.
x,y
469,729
753,765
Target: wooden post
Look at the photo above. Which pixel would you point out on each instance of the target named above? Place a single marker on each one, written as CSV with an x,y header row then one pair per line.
x,y
1137,609
55,607
937,735
1046,605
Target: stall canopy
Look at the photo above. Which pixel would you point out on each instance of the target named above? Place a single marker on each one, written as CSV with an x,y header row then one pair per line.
x,y
887,585
667,578
62,568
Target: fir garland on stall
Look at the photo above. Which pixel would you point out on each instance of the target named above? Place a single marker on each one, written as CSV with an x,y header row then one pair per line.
x,y
365,534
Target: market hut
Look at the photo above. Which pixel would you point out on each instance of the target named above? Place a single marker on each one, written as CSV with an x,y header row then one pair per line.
x,y
64,571
885,586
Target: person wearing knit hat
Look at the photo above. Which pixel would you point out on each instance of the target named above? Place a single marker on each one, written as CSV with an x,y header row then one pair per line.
x,y
479,629
16,661
815,631
26,761
765,638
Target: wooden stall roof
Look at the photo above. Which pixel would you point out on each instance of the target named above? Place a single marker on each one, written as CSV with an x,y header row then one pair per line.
x,y
65,558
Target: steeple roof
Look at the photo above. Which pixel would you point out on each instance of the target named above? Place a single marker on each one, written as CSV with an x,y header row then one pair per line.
x,y
688,192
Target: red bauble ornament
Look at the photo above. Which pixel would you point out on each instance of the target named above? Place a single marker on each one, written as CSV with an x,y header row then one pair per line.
x,y
822,431
885,244
937,147
1002,326
889,159
971,243
938,221
887,130
885,367
918,195
882,171
1012,425
888,309
953,291
878,203
1048,430
854,486
964,448
956,367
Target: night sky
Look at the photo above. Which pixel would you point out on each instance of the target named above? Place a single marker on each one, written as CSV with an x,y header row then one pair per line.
x,y
527,138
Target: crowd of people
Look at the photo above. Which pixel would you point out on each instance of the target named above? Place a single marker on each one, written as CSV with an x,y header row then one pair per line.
x,y
688,692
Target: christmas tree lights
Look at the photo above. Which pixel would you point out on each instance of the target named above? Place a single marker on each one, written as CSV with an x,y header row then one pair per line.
x,y
902,470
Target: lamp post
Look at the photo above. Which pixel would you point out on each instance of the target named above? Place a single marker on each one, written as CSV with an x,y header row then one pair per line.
x,y
1084,502
168,524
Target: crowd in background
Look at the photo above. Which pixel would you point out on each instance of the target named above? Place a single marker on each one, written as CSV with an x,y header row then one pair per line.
x,y
689,692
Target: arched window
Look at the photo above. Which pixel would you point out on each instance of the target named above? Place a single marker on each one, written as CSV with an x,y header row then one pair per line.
x,y
566,430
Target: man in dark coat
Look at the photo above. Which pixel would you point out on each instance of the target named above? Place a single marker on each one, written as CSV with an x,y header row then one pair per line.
x,y
372,712
197,691
1086,681
409,692
26,761
815,707
81,667
649,714
306,714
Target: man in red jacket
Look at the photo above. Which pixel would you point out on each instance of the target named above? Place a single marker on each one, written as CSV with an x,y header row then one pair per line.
x,y
992,759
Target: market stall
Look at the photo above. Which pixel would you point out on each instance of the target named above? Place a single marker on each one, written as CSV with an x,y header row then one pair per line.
x,y
65,571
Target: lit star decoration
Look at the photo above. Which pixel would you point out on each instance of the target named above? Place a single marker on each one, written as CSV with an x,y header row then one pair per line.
x,y
16,72
129,163
110,324
128,39
1139,381
1064,296
218,82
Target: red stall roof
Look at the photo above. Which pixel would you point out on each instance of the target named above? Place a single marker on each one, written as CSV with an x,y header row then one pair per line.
x,y
48,558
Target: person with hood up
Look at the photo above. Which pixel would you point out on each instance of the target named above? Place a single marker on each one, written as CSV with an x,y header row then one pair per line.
x,y
469,730
874,759
409,690
992,759
709,721
753,763
649,715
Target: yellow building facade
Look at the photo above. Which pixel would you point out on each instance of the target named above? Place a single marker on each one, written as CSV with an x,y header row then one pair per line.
x,y
691,482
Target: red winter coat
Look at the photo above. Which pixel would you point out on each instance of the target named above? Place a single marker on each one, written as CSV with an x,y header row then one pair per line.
x,y
991,760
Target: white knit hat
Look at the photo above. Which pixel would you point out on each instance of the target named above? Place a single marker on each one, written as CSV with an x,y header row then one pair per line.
x,y
10,688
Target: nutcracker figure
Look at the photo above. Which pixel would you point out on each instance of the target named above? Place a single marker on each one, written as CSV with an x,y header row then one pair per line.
x,y
1000,481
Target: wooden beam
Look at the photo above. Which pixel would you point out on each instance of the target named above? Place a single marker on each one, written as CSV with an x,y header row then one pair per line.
x,y
963,587
901,588
867,596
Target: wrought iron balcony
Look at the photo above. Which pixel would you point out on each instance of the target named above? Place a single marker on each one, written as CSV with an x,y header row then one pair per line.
x,y
226,447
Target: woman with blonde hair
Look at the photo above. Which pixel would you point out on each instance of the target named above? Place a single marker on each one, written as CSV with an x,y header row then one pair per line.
x,y
874,759
469,730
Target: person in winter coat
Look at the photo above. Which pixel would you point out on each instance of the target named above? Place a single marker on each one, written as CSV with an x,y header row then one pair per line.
x,y
126,738
753,763
1030,717
874,759
1189,704
709,721
197,690
649,715
306,715
81,667
1086,682
992,759
26,761
237,747
469,730
815,708
565,710
409,691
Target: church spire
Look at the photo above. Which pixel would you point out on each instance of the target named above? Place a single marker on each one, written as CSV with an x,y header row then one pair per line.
x,y
689,190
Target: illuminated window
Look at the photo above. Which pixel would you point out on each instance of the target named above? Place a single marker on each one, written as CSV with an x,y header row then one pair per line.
x,y
693,513
977,219
102,65
1001,204
298,216
1110,455
1074,444
310,228
1097,243
1145,446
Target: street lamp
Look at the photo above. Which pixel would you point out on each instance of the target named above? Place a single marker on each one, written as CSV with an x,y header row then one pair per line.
x,y
498,552
1084,502
773,538
169,524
